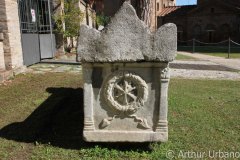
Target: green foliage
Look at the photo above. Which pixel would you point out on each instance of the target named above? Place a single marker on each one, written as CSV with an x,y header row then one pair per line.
x,y
68,22
102,20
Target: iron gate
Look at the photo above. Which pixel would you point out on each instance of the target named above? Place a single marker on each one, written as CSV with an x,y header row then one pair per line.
x,y
38,42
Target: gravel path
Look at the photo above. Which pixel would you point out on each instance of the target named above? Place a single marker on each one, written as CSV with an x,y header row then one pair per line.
x,y
230,63
203,74
176,73
198,66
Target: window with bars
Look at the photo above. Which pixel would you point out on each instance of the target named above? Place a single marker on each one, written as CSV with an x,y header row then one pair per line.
x,y
34,16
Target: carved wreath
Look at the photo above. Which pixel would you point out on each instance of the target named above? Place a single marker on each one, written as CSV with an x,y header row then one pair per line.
x,y
125,92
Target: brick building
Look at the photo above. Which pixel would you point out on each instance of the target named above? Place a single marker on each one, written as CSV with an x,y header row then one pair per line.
x,y
11,57
25,32
110,7
208,21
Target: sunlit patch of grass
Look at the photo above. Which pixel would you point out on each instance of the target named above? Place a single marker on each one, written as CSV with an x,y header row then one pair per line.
x,y
41,118
184,57
224,55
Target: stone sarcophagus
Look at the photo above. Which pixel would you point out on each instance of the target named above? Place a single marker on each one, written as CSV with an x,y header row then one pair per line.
x,y
126,77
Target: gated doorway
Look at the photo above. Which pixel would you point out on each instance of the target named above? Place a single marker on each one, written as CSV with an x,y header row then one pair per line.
x,y
38,41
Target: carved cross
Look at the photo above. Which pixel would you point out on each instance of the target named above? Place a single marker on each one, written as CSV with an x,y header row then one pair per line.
x,y
125,93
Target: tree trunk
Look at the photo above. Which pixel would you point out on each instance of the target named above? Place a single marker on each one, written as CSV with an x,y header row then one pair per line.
x,y
144,10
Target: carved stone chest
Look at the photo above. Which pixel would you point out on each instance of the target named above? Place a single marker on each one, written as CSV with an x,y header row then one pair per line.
x,y
126,77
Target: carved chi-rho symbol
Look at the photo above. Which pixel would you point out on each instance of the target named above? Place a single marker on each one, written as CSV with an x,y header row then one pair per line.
x,y
125,92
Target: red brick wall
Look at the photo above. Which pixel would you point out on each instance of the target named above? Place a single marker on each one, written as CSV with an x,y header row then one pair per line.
x,y
220,18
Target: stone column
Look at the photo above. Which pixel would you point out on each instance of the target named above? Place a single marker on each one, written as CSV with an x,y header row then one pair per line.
x,y
2,62
162,125
88,97
12,37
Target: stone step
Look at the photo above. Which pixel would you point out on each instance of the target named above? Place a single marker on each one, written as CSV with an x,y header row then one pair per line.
x,y
5,75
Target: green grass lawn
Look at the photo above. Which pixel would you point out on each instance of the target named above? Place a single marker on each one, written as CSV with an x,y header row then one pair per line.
x,y
218,51
184,57
224,55
42,117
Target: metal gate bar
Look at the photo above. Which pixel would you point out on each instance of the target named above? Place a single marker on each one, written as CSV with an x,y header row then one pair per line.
x,y
35,20
28,25
44,22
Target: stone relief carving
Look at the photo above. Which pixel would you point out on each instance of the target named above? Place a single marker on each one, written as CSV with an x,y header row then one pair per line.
x,y
165,74
125,93
126,44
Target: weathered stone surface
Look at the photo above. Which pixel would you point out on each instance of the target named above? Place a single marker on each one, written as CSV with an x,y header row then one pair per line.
x,y
1,37
2,62
10,27
87,44
126,102
127,39
5,75
165,43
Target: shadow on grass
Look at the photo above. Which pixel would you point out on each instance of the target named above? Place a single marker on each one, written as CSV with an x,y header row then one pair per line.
x,y
59,121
